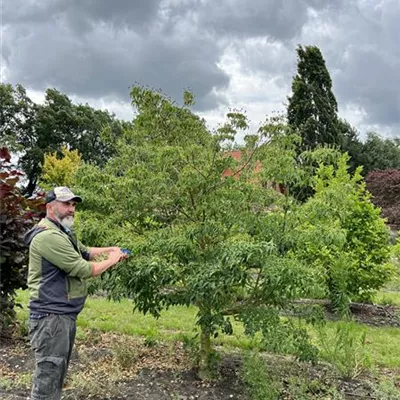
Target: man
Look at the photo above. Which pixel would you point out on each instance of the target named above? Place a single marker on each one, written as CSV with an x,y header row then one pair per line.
x,y
58,267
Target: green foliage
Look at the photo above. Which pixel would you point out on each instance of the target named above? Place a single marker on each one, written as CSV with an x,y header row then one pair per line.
x,y
60,171
260,385
282,337
341,233
394,283
198,237
352,145
367,244
126,356
8,110
387,390
345,349
313,113
226,243
275,378
312,108
17,215
380,153
22,381
17,114
34,130
191,344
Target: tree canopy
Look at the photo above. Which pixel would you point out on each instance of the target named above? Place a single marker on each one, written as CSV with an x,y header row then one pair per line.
x,y
32,130
60,171
224,243
312,108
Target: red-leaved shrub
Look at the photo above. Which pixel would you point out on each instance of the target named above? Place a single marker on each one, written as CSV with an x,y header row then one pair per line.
x,y
17,215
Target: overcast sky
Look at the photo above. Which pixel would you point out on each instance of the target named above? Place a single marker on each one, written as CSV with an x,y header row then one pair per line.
x,y
230,53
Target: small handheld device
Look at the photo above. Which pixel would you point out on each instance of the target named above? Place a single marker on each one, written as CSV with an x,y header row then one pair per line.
x,y
126,251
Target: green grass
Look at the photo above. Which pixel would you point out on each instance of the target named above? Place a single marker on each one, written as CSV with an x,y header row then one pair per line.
x,y
388,298
109,316
20,381
382,344
100,314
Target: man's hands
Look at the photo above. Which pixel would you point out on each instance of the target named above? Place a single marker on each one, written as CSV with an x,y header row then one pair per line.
x,y
116,252
114,256
101,251
110,249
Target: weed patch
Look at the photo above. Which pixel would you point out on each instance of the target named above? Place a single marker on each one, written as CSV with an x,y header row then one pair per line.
x,y
345,349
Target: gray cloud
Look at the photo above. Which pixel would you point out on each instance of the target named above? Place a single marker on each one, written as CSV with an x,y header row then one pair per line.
x,y
359,41
372,82
277,19
98,48
360,45
97,65
120,13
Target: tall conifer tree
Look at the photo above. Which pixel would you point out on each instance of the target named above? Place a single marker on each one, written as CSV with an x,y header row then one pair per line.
x,y
312,108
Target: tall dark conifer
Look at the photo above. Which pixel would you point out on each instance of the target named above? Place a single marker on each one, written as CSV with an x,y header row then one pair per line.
x,y
312,108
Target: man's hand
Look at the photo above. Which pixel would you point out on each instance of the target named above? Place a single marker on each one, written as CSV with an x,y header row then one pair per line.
x,y
100,251
123,255
108,250
114,256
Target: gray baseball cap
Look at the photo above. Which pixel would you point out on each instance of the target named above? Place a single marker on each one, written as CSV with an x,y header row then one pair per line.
x,y
62,193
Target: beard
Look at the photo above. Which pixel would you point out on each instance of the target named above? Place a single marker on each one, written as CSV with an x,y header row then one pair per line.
x,y
67,222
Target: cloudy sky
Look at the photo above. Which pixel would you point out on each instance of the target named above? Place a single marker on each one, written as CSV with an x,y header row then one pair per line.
x,y
230,53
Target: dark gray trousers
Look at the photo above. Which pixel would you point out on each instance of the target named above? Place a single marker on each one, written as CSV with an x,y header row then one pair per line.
x,y
52,339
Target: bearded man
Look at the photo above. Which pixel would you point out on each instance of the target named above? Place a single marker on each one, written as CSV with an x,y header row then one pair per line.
x,y
59,265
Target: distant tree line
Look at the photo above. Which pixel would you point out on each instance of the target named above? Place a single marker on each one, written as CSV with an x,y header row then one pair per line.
x,y
31,130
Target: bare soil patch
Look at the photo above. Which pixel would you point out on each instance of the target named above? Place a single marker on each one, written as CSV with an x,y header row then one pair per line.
x,y
376,315
120,367
368,314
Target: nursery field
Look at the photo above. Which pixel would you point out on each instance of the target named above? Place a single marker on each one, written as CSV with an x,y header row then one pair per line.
x,y
125,355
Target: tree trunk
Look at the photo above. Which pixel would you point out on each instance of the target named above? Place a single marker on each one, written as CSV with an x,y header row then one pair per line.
x,y
205,352
30,188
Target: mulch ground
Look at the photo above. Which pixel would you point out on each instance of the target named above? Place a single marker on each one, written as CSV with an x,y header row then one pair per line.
x,y
367,314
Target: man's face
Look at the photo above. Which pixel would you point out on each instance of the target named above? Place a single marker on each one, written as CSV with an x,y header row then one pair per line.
x,y
63,212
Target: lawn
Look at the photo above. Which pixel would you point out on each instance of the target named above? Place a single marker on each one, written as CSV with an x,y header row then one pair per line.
x,y
388,298
382,343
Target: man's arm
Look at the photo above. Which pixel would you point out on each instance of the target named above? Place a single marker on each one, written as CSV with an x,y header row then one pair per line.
x,y
113,257
57,249
95,251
